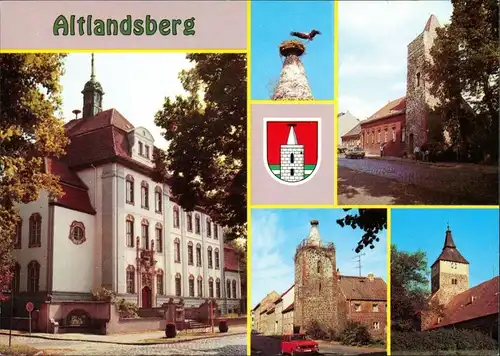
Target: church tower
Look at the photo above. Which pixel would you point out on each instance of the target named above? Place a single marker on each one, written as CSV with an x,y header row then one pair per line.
x,y
92,95
316,284
418,98
450,272
292,158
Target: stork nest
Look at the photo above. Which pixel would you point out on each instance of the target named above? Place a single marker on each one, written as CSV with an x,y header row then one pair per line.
x,y
292,47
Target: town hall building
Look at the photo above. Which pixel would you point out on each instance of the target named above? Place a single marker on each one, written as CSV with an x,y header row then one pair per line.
x,y
322,296
115,227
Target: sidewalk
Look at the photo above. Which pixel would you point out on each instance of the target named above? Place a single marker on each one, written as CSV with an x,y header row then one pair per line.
x,y
143,338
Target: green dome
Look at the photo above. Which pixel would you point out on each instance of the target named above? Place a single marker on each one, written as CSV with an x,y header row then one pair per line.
x,y
93,85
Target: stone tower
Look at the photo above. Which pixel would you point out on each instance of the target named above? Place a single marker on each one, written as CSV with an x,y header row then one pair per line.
x,y
450,272
316,284
92,94
418,98
293,83
292,159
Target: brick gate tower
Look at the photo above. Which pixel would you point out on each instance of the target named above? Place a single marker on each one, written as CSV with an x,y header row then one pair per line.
x,y
292,159
450,272
316,284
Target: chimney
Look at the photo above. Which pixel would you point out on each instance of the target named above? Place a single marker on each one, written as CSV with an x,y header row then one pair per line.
x,y
370,276
293,83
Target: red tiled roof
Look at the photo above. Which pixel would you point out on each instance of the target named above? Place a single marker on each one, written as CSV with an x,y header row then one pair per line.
x,y
450,252
395,107
362,288
59,168
110,117
355,131
462,307
75,199
287,309
230,259
280,298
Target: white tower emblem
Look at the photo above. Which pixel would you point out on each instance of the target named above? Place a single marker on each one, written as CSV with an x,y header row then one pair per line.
x,y
292,158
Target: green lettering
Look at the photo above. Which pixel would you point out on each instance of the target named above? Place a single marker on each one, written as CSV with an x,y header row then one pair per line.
x,y
89,25
150,23
164,27
60,23
112,24
126,26
138,27
81,22
99,28
189,27
174,26
72,25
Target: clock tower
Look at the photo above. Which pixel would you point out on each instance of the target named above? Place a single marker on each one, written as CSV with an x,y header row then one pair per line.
x,y
92,95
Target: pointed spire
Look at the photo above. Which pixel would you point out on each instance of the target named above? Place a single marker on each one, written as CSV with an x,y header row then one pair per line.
x,y
450,252
92,76
293,83
314,237
448,241
292,138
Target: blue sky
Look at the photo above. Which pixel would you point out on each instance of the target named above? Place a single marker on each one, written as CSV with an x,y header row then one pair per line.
x,y
373,39
134,83
272,22
475,232
276,234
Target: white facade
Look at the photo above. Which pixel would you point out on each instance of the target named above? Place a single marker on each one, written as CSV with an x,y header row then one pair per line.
x,y
292,159
102,256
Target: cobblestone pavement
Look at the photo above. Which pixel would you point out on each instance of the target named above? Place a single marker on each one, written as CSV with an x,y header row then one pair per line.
x,y
230,345
380,181
270,346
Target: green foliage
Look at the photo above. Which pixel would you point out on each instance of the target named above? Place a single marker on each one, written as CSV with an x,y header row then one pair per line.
x,y
315,331
355,334
371,221
126,309
103,294
205,163
29,98
465,66
442,340
409,287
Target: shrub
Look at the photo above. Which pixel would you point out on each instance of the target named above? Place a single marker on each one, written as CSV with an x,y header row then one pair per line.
x,y
333,334
442,340
126,309
103,295
355,334
170,330
223,328
315,331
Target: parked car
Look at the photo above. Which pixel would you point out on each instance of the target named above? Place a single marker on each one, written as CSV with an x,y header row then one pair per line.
x,y
296,344
356,152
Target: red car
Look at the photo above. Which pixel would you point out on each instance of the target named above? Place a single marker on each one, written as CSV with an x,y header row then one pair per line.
x,y
298,344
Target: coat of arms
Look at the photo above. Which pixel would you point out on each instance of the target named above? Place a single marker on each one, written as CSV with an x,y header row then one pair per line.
x,y
292,149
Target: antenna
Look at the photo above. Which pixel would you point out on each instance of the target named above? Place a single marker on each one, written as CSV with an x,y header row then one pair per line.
x,y
358,261
76,112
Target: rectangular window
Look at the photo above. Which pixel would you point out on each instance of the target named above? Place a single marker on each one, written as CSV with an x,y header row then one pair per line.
x,y
217,289
159,284
211,289
18,234
189,218
375,308
373,136
191,288
130,282
386,135
177,252
216,232
209,259
178,289
141,149
379,136
130,233
190,255
146,151
158,201
198,256
197,226
403,134
216,259
159,240
145,236
200,288
145,197
393,134
376,325
357,307
209,228
130,192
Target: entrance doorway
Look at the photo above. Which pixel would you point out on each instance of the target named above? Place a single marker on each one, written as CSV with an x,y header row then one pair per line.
x,y
147,297
410,139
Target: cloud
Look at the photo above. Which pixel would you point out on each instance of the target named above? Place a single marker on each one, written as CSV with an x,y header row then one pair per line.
x,y
270,271
400,86
362,67
362,109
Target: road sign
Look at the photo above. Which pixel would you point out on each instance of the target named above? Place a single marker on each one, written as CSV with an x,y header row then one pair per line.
x,y
29,307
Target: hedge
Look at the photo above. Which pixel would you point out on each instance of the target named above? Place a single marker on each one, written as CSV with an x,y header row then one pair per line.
x,y
442,340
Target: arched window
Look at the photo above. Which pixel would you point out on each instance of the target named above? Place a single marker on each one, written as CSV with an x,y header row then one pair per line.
x,y
210,287
198,255
178,285
235,293
77,233
190,253
176,218
209,227
216,256
200,286
209,257
144,195
33,276
129,189
18,234
16,278
191,285
319,268
177,250
292,158
159,237
217,288
35,233
129,226
197,224
158,200
216,232
189,221
159,282
145,234
130,279
228,289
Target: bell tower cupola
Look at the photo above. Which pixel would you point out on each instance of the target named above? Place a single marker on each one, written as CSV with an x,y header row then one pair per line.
x,y
92,94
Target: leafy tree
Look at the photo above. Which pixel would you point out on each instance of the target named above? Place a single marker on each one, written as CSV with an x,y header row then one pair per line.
x,y
29,130
371,221
409,287
205,163
465,66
